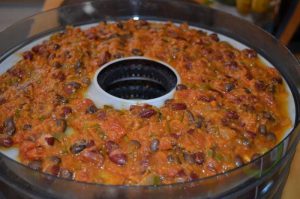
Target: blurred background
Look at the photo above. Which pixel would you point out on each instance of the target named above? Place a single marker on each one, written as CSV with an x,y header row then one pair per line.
x,y
281,18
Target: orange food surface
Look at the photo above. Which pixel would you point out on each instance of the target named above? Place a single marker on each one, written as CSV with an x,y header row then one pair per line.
x,y
228,109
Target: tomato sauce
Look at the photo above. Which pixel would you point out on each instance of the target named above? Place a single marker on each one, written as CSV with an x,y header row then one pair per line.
x,y
229,108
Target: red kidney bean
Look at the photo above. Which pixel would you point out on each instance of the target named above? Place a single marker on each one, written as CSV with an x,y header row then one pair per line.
x,y
50,140
180,87
91,36
147,113
232,65
28,55
66,111
249,134
141,23
232,115
111,146
193,176
61,99
118,157
9,126
104,58
178,106
211,166
229,87
175,135
217,57
118,55
248,108
93,156
16,72
101,115
154,145
225,122
268,115
260,85
78,146
181,176
27,127
206,51
250,53
90,143
56,46
54,170
60,76
199,158
229,54
72,87
91,109
65,173
214,37
6,142
40,50
37,48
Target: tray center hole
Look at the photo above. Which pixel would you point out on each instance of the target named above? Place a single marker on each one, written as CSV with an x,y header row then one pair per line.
x,y
137,79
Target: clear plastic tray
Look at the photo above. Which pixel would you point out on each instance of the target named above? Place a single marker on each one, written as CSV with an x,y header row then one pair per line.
x,y
263,177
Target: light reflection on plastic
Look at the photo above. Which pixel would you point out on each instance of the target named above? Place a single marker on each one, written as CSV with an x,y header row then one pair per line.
x,y
88,8
136,18
267,188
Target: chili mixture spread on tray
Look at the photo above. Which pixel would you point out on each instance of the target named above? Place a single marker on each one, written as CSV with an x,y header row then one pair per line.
x,y
229,109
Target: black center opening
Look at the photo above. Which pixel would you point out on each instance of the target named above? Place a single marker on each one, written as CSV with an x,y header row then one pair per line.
x,y
137,79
